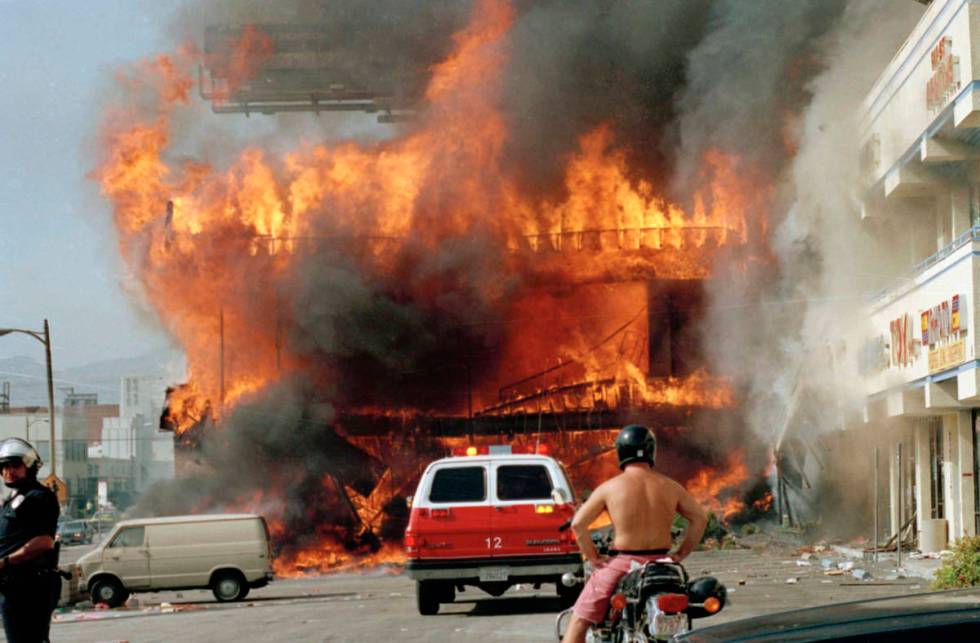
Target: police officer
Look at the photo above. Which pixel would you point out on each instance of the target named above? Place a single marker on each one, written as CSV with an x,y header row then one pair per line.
x,y
29,585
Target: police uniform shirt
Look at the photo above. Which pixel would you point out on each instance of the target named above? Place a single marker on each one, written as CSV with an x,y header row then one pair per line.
x,y
29,512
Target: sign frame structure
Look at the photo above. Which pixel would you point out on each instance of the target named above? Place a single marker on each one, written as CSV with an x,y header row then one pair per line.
x,y
58,486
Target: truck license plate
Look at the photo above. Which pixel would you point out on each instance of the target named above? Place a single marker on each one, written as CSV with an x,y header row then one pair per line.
x,y
669,624
491,574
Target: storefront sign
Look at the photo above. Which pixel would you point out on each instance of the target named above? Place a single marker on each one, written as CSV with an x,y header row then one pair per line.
x,y
942,328
943,322
947,356
945,79
903,341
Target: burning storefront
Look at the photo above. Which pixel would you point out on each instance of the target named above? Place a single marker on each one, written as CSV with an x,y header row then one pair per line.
x,y
485,270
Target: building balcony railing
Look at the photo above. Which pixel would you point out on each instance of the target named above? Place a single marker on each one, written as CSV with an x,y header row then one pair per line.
x,y
968,236
972,234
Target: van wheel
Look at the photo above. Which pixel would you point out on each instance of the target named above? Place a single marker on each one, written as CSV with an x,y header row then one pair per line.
x,y
108,591
427,597
229,586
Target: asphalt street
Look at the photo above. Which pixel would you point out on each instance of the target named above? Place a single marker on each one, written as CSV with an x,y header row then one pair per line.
x,y
381,606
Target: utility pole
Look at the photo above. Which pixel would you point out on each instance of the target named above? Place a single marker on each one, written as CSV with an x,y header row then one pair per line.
x,y
901,501
876,504
47,355
221,352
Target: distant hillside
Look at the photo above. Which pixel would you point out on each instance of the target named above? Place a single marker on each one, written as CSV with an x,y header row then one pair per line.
x,y
28,382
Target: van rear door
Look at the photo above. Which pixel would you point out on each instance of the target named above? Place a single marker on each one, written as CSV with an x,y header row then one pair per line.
x,y
453,515
525,518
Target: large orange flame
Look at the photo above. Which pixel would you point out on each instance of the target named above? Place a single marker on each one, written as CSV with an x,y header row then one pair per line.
x,y
717,488
209,262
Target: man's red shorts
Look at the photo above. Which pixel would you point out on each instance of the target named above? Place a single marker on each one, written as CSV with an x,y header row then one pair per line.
x,y
593,602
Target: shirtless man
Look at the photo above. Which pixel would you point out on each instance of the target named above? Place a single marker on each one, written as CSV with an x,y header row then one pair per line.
x,y
641,504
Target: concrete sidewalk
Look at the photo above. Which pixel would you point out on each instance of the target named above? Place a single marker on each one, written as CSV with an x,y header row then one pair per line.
x,y
772,579
914,564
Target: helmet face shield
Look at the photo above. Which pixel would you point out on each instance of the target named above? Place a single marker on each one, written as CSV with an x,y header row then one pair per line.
x,y
18,450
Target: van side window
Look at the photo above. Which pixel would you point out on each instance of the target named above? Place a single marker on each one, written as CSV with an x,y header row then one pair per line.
x,y
459,484
128,537
523,482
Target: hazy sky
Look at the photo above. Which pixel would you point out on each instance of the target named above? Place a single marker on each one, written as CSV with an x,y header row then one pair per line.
x,y
57,249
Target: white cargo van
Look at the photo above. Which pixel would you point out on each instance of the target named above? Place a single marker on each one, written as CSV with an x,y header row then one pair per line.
x,y
229,553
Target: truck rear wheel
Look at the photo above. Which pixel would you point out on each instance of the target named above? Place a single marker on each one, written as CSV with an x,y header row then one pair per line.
x,y
447,592
568,595
427,594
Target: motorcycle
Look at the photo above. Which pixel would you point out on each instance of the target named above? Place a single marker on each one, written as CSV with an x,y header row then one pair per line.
x,y
652,602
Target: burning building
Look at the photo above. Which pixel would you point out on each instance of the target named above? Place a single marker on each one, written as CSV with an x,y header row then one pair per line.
x,y
351,309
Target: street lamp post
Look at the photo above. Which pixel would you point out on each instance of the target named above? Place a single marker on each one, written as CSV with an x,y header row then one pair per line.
x,y
29,422
44,338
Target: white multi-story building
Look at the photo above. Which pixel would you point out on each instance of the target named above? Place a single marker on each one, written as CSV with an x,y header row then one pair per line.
x,y
121,446
134,437
71,441
921,158
31,423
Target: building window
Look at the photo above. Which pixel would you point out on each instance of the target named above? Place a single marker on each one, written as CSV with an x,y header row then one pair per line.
x,y
936,470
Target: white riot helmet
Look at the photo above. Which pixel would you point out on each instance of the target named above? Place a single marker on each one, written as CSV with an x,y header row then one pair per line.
x,y
22,450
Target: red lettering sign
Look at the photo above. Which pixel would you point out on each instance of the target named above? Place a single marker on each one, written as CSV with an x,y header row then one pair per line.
x,y
945,79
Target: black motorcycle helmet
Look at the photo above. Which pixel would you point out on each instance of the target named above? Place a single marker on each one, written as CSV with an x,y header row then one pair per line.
x,y
636,443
